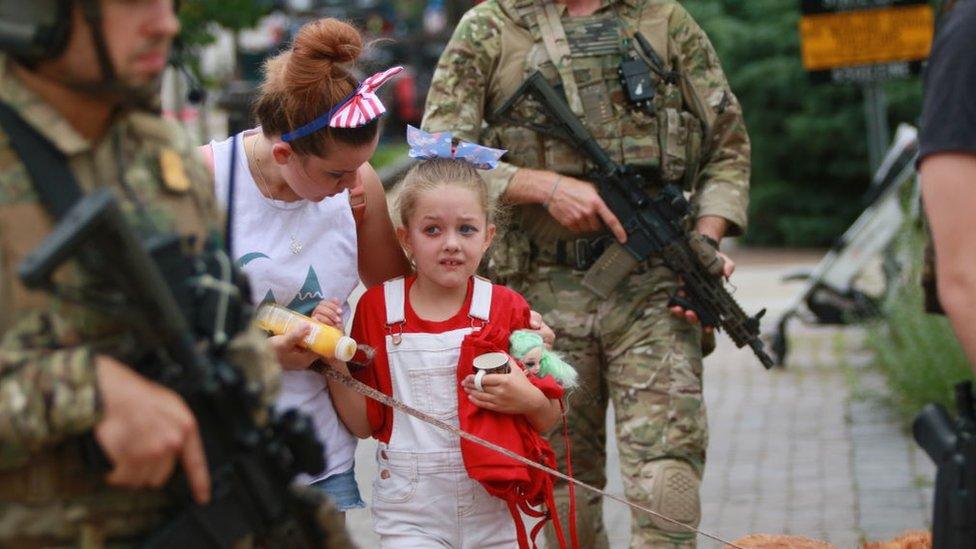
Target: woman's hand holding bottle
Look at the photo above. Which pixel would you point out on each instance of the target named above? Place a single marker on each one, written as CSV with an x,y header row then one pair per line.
x,y
299,340
289,350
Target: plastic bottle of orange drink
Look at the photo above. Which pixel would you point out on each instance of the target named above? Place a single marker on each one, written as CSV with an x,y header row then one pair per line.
x,y
322,339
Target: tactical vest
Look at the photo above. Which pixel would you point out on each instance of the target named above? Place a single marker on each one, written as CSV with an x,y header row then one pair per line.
x,y
665,145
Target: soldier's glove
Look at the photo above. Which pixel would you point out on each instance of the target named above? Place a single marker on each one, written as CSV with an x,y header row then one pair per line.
x,y
706,250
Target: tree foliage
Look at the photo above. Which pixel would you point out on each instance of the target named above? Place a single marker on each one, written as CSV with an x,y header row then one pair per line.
x,y
198,18
810,159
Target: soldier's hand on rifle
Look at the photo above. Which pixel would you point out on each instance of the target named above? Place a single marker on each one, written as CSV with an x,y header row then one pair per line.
x,y
710,231
574,203
287,348
144,428
728,267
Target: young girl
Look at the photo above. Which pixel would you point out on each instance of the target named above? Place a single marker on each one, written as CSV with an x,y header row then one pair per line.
x,y
423,495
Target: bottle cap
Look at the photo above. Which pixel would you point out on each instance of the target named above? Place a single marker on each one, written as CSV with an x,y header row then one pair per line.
x,y
345,348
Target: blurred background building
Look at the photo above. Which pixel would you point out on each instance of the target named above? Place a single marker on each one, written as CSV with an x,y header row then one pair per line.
x,y
226,42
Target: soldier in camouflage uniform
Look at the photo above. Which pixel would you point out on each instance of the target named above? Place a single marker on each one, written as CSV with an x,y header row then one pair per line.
x,y
629,349
62,371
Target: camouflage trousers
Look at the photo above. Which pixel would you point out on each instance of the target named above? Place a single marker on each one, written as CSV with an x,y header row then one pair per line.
x,y
628,349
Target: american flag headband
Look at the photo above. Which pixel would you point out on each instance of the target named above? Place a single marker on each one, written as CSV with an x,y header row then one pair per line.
x,y
359,108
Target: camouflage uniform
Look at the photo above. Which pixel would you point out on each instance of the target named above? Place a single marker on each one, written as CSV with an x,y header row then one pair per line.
x,y
48,392
627,348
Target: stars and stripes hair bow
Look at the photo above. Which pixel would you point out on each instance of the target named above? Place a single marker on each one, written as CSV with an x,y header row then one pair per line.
x,y
426,146
357,109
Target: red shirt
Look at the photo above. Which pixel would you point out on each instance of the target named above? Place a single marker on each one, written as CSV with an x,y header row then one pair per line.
x,y
509,312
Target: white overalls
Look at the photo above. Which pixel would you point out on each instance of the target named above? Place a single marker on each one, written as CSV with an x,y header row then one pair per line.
x,y
422,496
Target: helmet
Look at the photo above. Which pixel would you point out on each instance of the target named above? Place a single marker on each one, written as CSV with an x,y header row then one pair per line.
x,y
39,30
34,30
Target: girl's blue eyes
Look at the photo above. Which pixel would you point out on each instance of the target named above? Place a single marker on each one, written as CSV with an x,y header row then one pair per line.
x,y
463,229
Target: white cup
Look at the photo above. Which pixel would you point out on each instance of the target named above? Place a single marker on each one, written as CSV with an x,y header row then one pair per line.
x,y
489,363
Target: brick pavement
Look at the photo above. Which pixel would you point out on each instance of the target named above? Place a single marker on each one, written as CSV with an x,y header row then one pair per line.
x,y
803,451
810,450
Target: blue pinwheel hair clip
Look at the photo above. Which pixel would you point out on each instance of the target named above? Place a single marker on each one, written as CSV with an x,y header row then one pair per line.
x,y
426,146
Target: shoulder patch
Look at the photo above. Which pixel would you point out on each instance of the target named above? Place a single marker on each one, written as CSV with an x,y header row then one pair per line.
x,y
172,171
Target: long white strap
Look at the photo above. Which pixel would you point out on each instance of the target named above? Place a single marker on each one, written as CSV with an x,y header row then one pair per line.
x,y
481,299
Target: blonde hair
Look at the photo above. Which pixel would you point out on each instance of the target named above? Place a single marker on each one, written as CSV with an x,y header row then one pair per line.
x,y
432,174
305,81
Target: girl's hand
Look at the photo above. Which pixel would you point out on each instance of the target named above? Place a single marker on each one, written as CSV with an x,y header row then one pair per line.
x,y
290,354
510,393
536,324
328,311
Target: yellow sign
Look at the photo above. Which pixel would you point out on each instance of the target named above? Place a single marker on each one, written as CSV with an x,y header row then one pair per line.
x,y
852,38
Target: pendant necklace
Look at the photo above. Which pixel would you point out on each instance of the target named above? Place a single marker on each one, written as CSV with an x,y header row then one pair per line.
x,y
296,245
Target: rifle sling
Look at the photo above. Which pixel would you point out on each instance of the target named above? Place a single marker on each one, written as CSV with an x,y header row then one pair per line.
x,y
557,46
56,186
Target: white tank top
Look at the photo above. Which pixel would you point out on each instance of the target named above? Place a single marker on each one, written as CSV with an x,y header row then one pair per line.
x,y
326,267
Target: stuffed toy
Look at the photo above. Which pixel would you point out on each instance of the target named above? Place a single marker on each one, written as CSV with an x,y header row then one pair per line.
x,y
529,348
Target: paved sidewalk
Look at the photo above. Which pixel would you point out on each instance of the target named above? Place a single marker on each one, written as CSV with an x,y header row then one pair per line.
x,y
808,450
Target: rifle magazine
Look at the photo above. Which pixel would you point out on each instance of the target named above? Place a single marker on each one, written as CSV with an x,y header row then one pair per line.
x,y
612,267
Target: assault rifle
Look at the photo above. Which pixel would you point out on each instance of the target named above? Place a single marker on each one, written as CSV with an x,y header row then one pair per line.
x,y
654,225
952,446
183,311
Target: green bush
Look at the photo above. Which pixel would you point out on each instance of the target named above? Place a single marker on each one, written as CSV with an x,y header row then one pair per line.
x,y
918,352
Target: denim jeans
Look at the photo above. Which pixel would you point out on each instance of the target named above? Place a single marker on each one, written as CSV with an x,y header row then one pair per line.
x,y
342,490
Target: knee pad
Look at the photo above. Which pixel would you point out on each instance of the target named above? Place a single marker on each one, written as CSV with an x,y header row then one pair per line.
x,y
674,493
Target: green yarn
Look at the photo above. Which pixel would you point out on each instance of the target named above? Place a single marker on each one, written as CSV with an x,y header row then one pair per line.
x,y
523,342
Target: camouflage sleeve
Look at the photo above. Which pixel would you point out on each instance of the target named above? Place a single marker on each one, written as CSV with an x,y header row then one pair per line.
x,y
458,92
723,180
45,394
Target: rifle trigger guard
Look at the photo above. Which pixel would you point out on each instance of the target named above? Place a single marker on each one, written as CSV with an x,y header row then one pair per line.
x,y
675,300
